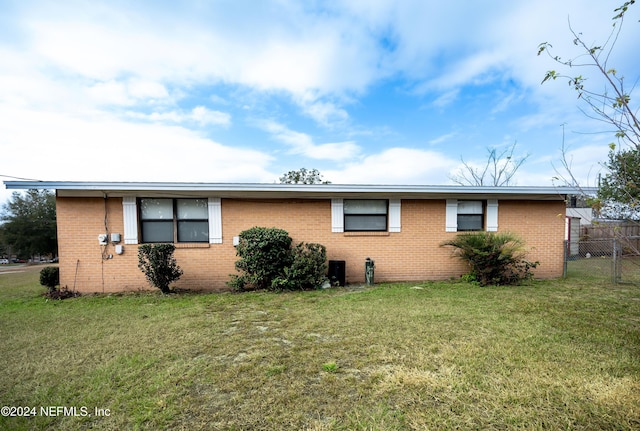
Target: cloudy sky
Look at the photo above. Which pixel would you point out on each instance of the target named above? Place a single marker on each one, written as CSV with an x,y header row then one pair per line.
x,y
366,91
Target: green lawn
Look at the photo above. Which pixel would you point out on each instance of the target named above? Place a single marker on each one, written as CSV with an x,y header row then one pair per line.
x,y
550,355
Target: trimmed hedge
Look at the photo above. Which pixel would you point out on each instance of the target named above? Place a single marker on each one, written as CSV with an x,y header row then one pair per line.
x,y
267,261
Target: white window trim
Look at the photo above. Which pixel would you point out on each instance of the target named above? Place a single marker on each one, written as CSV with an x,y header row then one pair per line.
x,y
451,223
492,215
395,216
215,221
337,215
130,218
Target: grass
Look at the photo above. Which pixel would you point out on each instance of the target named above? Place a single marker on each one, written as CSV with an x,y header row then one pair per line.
x,y
551,355
600,269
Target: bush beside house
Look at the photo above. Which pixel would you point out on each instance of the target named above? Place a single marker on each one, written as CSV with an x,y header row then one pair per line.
x,y
493,258
159,266
267,261
50,278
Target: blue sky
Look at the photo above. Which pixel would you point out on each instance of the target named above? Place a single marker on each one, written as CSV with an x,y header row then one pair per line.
x,y
366,91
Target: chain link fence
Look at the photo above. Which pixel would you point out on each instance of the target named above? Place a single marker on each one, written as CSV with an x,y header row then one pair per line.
x,y
605,254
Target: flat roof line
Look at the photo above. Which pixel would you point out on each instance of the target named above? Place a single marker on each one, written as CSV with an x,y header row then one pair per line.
x,y
306,188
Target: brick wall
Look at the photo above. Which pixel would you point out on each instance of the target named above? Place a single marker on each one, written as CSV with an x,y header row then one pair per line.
x,y
413,254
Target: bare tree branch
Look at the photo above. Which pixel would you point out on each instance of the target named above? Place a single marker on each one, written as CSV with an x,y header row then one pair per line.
x,y
619,189
498,170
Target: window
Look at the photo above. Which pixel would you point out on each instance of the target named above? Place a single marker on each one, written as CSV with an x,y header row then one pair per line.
x,y
470,215
365,215
174,220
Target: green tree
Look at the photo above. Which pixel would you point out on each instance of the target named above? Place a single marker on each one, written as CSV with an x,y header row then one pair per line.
x,y
619,192
29,223
611,104
303,176
4,247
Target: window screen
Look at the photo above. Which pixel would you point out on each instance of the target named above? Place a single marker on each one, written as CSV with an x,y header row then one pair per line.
x,y
365,214
156,220
193,223
170,220
470,215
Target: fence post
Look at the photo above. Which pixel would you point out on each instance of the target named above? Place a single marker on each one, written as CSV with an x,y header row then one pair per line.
x,y
614,262
566,258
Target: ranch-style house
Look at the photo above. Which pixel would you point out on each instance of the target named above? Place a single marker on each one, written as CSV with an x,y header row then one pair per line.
x,y
101,225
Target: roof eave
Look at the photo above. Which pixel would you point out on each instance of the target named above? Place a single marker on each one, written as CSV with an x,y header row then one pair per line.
x,y
309,191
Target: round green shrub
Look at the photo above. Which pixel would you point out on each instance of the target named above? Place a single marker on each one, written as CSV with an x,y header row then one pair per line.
x,y
267,261
50,277
264,253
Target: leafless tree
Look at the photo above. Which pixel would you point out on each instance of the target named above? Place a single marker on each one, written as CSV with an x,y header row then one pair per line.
x,y
498,170
611,105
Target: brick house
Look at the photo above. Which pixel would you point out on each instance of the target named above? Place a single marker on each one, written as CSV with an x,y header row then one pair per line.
x,y
100,225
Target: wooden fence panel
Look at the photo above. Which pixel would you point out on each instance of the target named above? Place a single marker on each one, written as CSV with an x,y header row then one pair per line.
x,y
627,233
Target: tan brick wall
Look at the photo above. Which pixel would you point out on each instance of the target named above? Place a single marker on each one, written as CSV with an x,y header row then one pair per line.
x,y
541,225
413,254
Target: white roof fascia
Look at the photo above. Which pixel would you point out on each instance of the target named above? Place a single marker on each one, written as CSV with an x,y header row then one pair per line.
x,y
309,191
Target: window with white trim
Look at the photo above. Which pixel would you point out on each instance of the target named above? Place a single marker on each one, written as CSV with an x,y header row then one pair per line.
x,y
365,215
174,220
470,216
465,216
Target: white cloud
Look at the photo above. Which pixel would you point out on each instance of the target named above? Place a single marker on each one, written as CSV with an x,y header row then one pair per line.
x,y
109,93
147,90
204,116
506,100
474,69
326,114
446,98
302,143
62,147
199,115
75,75
330,48
396,166
442,138
288,48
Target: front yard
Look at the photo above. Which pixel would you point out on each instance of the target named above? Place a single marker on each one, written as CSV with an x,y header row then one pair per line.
x,y
551,355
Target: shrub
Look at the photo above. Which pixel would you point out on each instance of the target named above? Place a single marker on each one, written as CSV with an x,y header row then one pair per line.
x,y
50,277
267,261
157,263
264,253
494,258
307,271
